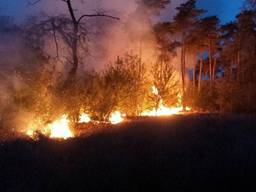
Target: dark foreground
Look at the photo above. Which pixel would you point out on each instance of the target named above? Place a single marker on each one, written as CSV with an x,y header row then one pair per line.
x,y
199,152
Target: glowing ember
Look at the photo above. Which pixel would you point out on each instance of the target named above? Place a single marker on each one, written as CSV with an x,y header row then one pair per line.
x,y
116,117
84,118
60,128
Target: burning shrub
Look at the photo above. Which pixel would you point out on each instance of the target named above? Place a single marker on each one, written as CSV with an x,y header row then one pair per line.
x,y
126,78
120,87
165,84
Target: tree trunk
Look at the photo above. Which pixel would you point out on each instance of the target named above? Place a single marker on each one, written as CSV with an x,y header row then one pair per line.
x,y
214,70
200,74
238,66
183,54
74,43
231,72
194,77
74,68
210,60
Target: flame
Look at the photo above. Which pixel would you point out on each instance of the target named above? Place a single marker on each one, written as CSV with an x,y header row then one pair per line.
x,y
60,128
116,117
84,118
154,90
162,110
57,129
30,133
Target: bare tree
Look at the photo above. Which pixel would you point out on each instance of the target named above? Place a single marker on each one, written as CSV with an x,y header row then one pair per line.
x,y
72,30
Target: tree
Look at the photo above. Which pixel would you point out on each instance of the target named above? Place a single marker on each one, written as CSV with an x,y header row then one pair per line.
x,y
250,4
209,27
127,78
239,46
230,54
121,87
72,30
247,40
165,82
186,18
237,88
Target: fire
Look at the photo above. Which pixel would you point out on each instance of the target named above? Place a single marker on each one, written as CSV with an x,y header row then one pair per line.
x,y
57,129
162,110
60,128
155,90
30,133
84,118
116,117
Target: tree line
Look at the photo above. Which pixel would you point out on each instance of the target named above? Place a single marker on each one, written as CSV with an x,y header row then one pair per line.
x,y
223,75
222,78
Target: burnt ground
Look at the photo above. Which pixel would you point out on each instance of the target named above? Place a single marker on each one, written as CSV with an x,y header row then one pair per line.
x,y
181,153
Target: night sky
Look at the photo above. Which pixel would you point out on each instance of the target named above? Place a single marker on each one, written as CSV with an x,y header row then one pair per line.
x,y
225,9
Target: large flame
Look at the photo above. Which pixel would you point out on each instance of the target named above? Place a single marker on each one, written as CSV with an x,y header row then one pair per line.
x,y
163,110
60,128
84,118
116,117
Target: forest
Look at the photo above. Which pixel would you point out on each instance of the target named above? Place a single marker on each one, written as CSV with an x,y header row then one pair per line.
x,y
137,95
55,65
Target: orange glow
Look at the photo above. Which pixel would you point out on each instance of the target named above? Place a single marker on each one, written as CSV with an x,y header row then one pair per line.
x,y
163,110
57,129
84,118
116,118
60,128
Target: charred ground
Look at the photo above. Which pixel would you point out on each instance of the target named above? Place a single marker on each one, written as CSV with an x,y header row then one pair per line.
x,y
176,153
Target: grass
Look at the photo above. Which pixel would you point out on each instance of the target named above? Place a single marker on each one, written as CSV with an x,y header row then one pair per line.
x,y
206,152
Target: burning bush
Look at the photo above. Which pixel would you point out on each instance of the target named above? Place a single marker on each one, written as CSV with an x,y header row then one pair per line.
x,y
165,84
120,87
45,104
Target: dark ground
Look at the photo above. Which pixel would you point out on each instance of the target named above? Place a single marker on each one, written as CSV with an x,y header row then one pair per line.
x,y
199,152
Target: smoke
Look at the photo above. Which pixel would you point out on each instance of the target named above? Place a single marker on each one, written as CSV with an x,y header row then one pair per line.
x,y
133,33
108,39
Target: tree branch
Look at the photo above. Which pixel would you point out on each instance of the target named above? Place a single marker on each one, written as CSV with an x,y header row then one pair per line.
x,y
71,11
97,15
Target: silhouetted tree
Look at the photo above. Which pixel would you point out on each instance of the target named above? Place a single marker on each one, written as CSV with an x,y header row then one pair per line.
x,y
72,30
185,20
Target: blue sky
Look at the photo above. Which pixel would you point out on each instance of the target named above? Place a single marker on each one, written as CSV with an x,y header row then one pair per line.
x,y
225,9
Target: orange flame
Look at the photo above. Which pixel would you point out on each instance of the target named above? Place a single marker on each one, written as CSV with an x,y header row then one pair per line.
x,y
163,110
116,117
